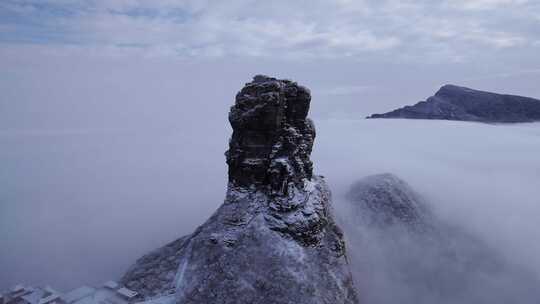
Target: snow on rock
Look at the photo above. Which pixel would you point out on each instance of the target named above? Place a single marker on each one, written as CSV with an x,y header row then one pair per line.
x,y
248,252
274,239
384,200
154,273
272,139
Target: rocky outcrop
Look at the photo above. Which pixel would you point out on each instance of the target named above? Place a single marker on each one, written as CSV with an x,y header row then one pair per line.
x,y
401,252
272,139
460,103
154,273
274,239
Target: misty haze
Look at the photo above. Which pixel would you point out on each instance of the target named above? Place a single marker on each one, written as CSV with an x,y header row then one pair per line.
x,y
125,127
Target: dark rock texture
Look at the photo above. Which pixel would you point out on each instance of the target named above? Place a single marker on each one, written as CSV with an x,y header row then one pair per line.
x,y
272,139
403,253
154,273
460,103
274,240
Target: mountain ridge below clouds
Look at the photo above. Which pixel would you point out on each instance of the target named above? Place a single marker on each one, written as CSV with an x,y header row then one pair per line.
x,y
397,242
453,102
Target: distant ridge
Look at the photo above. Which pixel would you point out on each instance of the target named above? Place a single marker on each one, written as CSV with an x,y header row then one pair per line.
x,y
453,102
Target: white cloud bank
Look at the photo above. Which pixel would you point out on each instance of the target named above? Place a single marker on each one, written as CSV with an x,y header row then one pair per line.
x,y
297,29
81,206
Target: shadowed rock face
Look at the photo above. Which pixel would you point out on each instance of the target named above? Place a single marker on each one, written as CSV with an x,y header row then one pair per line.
x,y
459,103
272,139
247,253
274,239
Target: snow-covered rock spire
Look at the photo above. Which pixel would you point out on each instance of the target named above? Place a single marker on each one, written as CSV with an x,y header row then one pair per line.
x,y
274,240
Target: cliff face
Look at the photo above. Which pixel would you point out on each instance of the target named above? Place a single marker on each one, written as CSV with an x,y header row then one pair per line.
x,y
459,103
274,239
272,139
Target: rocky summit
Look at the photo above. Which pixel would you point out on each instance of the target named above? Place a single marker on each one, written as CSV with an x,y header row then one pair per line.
x,y
274,239
459,103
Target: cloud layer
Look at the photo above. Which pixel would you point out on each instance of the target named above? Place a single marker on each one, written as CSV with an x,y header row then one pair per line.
x,y
446,30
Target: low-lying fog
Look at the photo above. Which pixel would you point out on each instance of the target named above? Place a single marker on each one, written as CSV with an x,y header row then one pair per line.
x,y
79,206
481,181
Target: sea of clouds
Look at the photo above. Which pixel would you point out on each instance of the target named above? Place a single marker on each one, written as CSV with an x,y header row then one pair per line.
x,y
79,206
481,183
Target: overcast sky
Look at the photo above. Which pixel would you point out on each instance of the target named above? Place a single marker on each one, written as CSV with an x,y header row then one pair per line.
x,y
358,57
436,31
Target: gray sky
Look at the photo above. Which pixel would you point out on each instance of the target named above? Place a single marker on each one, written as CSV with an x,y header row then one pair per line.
x,y
357,56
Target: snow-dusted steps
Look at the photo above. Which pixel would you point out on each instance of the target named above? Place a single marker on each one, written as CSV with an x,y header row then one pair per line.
x,y
109,293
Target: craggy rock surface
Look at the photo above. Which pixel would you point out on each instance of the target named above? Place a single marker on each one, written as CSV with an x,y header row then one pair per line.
x,y
400,245
272,139
154,273
460,103
247,253
274,240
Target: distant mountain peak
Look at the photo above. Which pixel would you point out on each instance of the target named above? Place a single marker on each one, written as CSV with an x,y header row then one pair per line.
x,y
452,102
